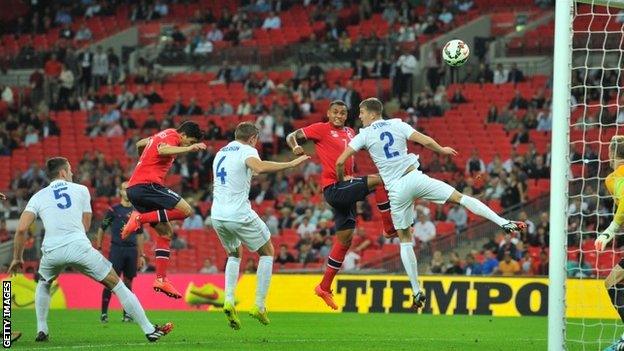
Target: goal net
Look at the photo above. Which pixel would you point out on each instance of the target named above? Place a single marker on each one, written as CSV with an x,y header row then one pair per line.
x,y
596,113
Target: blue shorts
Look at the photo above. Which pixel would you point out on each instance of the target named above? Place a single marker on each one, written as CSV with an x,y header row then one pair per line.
x,y
152,197
343,196
124,260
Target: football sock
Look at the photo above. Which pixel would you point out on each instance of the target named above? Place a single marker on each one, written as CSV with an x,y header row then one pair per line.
x,y
616,293
232,267
479,208
162,256
334,262
133,307
265,269
162,216
42,305
408,257
106,296
129,286
383,204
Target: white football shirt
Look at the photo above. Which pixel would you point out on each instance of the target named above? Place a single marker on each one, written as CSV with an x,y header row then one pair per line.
x,y
232,180
386,142
60,206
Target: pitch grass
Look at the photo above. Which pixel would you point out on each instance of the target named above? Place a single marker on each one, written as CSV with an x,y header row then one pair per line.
x,y
81,330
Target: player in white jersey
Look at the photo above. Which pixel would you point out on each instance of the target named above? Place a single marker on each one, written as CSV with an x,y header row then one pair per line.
x,y
65,209
386,142
236,222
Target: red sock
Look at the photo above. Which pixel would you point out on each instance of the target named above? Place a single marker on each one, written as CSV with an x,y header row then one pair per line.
x,y
162,256
334,262
383,204
162,216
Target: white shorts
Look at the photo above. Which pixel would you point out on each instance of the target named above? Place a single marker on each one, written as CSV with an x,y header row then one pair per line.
x,y
414,185
77,254
253,234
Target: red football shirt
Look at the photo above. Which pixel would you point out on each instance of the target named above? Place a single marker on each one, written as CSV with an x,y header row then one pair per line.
x,y
330,142
152,167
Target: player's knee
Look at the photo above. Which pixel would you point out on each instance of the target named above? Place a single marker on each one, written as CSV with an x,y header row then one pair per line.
x,y
455,197
267,250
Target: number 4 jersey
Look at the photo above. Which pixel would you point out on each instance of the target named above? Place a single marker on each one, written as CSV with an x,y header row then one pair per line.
x,y
60,206
386,141
232,180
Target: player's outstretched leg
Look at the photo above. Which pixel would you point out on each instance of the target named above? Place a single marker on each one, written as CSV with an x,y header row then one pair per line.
x,y
480,209
163,241
408,258
339,249
131,304
181,210
126,317
264,272
42,306
232,268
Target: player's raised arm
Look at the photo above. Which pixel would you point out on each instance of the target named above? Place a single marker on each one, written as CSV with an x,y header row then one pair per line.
x,y
26,220
141,144
169,150
291,140
431,144
259,166
340,162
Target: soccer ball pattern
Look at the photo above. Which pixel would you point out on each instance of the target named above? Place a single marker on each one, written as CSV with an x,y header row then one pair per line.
x,y
455,53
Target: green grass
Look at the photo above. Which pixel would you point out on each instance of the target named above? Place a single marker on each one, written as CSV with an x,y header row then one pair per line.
x,y
71,329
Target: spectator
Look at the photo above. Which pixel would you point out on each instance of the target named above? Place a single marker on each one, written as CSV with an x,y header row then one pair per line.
x,y
193,109
437,262
454,266
500,75
490,265
542,268
381,67
306,228
544,120
458,97
224,108
84,33
272,21
492,116
153,97
178,108
305,254
271,221
360,241
521,136
214,34
204,47
284,256
250,266
140,102
472,267
538,169
475,164
494,189
445,16
100,67
360,71
150,124
518,102
424,229
406,65
508,266
208,267
390,13
31,137
457,214
194,221
515,75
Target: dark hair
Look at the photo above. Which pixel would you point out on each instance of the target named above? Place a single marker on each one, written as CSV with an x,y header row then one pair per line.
x,y
191,130
338,103
54,166
245,130
372,105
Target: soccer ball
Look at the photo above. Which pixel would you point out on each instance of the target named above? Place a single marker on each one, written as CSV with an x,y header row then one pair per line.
x,y
455,53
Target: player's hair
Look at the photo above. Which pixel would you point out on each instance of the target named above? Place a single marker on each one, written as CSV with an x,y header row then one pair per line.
x,y
245,130
617,146
338,103
191,130
54,166
372,105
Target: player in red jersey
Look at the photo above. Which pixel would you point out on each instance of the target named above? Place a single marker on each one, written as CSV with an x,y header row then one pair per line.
x,y
331,139
154,203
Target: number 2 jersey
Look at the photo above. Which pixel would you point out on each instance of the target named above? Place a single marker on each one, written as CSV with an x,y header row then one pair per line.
x,y
60,206
386,141
232,180
152,167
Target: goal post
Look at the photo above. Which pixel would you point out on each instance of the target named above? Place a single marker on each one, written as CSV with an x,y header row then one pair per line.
x,y
559,174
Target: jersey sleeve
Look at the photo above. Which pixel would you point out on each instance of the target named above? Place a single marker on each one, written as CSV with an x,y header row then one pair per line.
x,y
248,152
33,205
86,200
359,141
314,131
617,191
406,129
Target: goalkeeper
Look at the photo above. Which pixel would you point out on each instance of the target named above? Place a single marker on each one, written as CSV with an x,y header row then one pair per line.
x,y
615,185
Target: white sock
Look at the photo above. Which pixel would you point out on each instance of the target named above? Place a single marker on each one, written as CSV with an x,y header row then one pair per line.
x,y
42,305
408,257
133,307
263,274
231,277
480,209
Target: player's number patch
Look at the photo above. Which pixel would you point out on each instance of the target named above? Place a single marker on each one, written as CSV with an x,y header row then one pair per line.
x,y
59,194
221,171
390,142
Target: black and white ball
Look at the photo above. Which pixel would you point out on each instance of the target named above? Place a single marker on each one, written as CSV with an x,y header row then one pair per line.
x,y
455,53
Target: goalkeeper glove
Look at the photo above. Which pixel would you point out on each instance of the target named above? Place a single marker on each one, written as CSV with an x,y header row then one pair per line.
x,y
605,237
